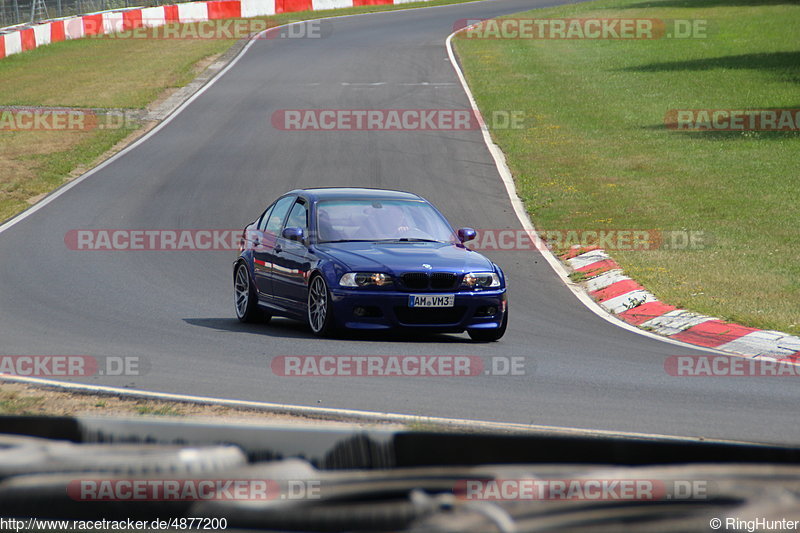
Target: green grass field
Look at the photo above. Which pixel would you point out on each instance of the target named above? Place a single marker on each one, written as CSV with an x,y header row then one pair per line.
x,y
596,154
100,72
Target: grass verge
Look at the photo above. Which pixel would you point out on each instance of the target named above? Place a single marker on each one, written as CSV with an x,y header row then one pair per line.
x,y
36,162
23,399
595,152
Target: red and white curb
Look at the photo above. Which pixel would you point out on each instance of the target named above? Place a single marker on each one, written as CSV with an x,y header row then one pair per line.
x,y
14,40
620,295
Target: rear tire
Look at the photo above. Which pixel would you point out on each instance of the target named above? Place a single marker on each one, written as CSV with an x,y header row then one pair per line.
x,y
320,308
489,335
246,298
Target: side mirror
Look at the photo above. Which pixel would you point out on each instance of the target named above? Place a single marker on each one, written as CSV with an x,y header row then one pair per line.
x,y
466,234
294,234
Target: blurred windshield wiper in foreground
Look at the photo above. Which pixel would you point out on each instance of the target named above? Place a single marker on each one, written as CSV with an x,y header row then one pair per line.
x,y
299,478
409,239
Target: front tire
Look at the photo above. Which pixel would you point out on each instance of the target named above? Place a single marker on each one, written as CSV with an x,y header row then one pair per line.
x,y
320,307
489,335
246,298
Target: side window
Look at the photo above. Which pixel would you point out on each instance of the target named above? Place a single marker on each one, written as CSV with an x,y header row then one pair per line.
x,y
277,214
298,217
262,223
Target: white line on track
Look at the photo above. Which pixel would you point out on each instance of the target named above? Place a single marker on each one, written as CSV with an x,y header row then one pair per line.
x,y
522,216
335,413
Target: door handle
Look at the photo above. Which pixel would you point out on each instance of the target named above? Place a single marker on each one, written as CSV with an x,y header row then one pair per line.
x,y
278,249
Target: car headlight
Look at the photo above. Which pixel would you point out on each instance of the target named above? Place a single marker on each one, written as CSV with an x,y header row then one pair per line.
x,y
480,279
365,279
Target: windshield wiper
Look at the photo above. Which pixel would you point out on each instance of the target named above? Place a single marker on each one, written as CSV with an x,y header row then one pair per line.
x,y
401,239
408,239
347,240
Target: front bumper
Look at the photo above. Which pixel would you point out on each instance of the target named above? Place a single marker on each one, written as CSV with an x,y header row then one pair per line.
x,y
382,309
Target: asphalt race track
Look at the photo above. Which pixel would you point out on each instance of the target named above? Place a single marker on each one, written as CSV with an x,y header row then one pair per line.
x,y
220,162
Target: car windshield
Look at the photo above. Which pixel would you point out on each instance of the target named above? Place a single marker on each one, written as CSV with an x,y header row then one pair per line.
x,y
381,220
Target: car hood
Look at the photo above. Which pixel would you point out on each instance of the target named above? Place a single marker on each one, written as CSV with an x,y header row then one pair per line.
x,y
401,257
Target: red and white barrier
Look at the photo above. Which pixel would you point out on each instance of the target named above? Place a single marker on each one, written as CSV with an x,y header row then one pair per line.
x,y
112,22
257,8
109,22
73,28
192,12
152,17
41,34
13,43
320,5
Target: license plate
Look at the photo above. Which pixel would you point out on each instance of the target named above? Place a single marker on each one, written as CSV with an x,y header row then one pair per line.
x,y
431,300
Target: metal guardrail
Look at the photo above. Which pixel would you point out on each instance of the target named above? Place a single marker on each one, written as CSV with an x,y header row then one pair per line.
x,y
13,12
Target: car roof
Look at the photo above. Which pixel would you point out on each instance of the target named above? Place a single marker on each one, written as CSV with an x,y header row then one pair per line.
x,y
325,193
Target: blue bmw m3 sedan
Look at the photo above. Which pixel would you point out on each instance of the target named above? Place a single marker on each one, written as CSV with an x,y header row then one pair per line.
x,y
366,259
